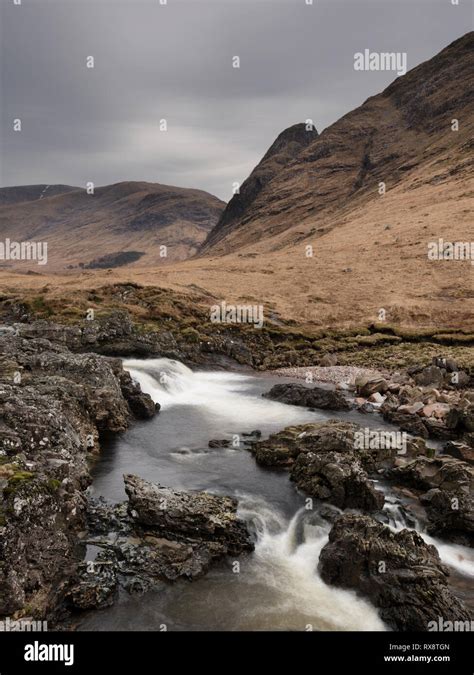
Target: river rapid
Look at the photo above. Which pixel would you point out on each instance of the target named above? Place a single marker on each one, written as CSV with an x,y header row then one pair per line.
x,y
277,587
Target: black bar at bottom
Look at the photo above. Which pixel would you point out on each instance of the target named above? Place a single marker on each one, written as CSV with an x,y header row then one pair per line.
x,y
153,652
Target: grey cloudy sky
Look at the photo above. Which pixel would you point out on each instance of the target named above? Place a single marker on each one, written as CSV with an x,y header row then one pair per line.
x,y
174,61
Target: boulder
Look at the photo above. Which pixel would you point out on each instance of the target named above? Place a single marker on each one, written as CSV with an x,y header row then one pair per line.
x,y
438,410
450,517
310,397
447,363
196,515
425,473
367,385
447,486
338,479
399,573
460,450
219,443
431,375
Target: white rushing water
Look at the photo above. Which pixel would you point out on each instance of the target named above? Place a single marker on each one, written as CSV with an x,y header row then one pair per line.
x,y
278,586
217,394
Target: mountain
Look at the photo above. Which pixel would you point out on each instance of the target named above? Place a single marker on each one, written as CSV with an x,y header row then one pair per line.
x,y
119,224
402,131
369,249
287,146
30,193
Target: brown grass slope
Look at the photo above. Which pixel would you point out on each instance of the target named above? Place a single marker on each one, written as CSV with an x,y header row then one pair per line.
x,y
130,216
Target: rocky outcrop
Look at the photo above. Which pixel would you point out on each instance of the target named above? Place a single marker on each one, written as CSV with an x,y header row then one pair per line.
x,y
159,536
338,479
55,406
446,485
400,573
198,515
333,460
310,397
372,447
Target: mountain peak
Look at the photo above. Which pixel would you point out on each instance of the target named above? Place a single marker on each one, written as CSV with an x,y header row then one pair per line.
x,y
288,145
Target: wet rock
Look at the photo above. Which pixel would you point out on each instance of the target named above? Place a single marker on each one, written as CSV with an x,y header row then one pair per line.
x,y
445,472
159,536
219,443
198,515
310,397
338,479
366,407
282,448
54,407
95,585
400,573
448,499
451,515
142,405
412,424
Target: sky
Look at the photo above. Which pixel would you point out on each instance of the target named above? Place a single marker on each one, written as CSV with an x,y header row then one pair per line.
x,y
174,62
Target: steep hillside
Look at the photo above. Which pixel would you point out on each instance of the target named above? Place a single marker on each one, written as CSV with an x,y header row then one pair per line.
x,y
387,139
287,146
98,229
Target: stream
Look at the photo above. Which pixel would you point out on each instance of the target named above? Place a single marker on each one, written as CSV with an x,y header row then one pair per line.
x,y
277,587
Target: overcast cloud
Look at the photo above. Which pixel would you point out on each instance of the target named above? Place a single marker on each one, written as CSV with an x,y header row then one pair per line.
x,y
174,61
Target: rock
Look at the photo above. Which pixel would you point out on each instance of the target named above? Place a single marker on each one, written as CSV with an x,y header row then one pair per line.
x,y
282,448
411,409
198,515
314,397
252,435
431,375
438,410
328,360
95,585
438,428
447,363
449,484
409,423
338,479
460,450
52,419
450,517
159,536
366,385
141,404
425,473
460,380
377,398
366,407
219,443
399,573
328,461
